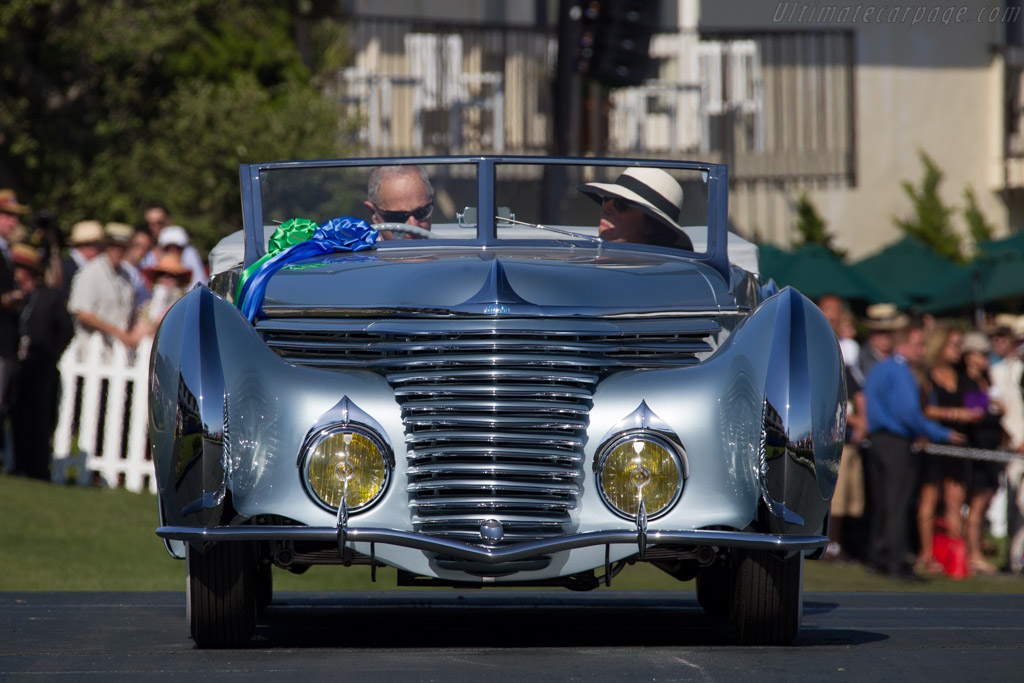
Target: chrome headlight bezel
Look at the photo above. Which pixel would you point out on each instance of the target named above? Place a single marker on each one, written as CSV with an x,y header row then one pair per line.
x,y
673,448
309,451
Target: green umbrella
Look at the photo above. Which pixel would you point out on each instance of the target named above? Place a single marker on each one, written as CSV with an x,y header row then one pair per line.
x,y
1013,243
908,267
773,261
995,282
815,271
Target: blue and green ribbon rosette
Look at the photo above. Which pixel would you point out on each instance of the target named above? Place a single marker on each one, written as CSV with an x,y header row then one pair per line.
x,y
293,241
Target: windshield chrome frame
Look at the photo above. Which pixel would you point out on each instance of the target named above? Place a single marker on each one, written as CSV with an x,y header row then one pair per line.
x,y
715,255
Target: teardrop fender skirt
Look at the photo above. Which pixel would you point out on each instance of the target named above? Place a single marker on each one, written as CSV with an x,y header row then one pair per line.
x,y
187,408
804,412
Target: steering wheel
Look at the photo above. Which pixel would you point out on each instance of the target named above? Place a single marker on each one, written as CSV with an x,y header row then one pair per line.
x,y
414,230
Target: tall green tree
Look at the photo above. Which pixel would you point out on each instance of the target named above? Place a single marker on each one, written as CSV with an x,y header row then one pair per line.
x,y
107,106
811,227
980,229
930,222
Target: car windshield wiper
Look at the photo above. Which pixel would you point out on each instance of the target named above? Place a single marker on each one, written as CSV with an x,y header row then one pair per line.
x,y
506,219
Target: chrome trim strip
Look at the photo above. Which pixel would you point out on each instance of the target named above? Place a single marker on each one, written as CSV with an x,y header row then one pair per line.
x,y
493,438
442,454
420,329
273,311
539,375
497,360
312,344
495,421
470,503
523,522
485,406
499,470
497,486
467,551
446,362
496,391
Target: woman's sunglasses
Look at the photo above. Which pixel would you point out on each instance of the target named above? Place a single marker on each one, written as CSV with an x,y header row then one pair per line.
x,y
421,213
620,204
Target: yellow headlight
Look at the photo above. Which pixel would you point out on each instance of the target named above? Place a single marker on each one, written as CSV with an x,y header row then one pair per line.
x,y
346,463
639,466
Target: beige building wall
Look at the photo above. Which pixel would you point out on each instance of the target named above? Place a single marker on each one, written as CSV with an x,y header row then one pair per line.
x,y
513,12
918,86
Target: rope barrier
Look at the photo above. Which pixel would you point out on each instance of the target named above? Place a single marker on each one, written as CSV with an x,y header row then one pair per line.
x,y
972,453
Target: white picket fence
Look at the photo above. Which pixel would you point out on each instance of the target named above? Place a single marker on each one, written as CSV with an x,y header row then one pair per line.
x,y
102,424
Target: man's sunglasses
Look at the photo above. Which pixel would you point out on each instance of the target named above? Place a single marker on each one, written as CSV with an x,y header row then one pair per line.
x,y
620,204
421,213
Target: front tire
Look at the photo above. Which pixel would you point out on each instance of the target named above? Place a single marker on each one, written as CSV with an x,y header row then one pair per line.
x,y
714,589
767,597
264,586
221,594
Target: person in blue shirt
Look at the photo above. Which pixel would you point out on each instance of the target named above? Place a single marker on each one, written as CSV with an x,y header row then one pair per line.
x,y
895,420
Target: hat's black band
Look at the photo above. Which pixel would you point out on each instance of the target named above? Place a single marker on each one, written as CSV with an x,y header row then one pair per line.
x,y
653,198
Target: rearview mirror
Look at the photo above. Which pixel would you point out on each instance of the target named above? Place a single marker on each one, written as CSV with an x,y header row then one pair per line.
x,y
467,219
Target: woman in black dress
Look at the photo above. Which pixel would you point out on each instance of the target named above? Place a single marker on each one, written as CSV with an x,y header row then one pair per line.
x,y
982,477
942,477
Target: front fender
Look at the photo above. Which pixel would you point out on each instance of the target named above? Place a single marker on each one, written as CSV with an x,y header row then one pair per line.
x,y
187,408
804,413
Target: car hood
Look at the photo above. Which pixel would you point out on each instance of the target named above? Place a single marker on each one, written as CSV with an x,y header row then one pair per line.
x,y
503,281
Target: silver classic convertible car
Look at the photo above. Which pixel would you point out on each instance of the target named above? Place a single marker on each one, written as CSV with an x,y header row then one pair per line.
x,y
494,371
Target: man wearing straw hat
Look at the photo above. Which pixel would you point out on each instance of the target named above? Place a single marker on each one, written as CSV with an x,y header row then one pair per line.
x,y
103,294
86,244
642,206
882,321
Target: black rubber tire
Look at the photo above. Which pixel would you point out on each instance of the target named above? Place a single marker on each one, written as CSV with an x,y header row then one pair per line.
x,y
222,594
714,590
264,586
767,597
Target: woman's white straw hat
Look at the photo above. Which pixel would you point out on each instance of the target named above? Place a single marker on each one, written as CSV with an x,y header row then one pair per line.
x,y
651,190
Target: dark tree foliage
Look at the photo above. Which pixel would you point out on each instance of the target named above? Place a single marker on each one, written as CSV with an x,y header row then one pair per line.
x,y
812,228
930,222
980,229
108,106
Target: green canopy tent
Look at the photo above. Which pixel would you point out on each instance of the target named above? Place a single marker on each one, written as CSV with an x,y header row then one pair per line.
x,y
994,282
815,271
772,261
908,267
1013,243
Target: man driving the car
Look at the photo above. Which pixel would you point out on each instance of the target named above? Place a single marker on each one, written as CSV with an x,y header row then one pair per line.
x,y
400,194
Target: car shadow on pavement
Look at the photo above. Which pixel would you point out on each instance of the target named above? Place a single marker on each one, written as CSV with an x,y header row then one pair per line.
x,y
509,619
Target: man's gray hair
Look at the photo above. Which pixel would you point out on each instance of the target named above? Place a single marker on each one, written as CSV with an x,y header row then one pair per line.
x,y
382,173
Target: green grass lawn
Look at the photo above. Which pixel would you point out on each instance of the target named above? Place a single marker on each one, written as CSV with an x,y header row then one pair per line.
x,y
56,538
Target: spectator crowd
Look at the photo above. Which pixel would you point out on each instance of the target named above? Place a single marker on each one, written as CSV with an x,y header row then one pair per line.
x,y
114,279
935,426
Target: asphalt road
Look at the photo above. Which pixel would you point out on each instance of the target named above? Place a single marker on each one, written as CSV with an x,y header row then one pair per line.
x,y
513,636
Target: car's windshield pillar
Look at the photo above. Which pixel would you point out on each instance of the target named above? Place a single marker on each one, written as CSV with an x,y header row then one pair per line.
x,y
486,225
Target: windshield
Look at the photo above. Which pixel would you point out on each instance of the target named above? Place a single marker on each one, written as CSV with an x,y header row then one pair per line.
x,y
535,199
420,196
640,205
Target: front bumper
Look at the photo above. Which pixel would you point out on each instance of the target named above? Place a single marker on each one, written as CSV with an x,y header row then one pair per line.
x,y
493,556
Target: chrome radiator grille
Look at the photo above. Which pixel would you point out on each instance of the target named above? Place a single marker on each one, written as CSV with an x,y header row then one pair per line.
x,y
495,410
